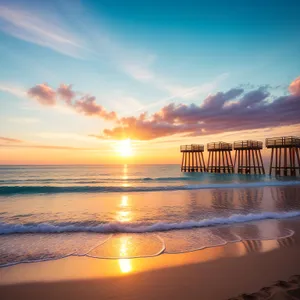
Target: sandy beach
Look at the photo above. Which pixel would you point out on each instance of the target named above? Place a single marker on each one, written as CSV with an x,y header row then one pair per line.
x,y
233,271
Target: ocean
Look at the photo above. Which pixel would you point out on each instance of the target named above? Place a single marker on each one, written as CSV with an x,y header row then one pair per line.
x,y
127,211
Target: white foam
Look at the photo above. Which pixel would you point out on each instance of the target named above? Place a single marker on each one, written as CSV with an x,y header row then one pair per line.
x,y
135,227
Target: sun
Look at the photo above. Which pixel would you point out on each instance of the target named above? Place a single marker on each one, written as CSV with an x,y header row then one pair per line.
x,y
124,148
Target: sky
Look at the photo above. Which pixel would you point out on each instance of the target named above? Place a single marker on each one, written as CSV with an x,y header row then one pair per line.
x,y
93,82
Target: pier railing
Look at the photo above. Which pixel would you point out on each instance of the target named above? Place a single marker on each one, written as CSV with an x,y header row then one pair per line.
x,y
217,146
285,141
249,144
193,147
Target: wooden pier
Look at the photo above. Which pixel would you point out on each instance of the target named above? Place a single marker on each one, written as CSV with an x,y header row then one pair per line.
x,y
285,155
192,158
248,157
219,158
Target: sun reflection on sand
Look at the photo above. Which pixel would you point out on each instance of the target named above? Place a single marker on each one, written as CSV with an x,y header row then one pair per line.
x,y
125,264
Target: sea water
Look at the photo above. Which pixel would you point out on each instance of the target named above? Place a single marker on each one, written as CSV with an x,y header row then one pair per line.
x,y
124,211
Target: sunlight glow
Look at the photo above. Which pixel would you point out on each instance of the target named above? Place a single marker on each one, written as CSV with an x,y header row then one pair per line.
x,y
124,214
124,201
125,265
125,173
124,148
125,242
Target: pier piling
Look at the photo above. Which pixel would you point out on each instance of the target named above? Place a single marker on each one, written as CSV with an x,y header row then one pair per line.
x,y
285,155
219,158
248,157
192,158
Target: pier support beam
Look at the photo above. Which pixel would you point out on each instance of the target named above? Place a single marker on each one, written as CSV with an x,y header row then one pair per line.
x,y
285,155
248,157
192,158
219,158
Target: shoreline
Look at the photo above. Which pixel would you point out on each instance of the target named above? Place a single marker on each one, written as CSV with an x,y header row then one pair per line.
x,y
221,272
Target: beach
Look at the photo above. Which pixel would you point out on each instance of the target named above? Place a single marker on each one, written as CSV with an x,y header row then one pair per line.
x,y
136,232
149,150
223,272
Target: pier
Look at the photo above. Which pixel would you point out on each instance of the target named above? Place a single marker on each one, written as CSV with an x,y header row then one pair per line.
x,y
192,158
285,155
219,158
248,157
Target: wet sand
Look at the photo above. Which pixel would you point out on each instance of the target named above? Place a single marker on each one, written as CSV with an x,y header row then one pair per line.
x,y
284,290
214,273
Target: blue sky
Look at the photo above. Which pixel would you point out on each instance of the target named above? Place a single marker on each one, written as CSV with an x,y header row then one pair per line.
x,y
136,56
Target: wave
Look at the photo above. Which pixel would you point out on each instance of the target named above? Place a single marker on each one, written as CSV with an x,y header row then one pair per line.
x,y
37,189
99,180
6,228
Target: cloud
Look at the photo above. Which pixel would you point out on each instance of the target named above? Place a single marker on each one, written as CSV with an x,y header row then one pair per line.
x,y
233,110
142,129
294,87
49,28
43,93
38,29
13,90
9,140
138,71
65,92
51,147
139,64
218,100
16,143
85,105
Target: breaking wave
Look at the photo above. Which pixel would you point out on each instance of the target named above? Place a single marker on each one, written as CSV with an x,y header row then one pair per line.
x,y
97,227
43,189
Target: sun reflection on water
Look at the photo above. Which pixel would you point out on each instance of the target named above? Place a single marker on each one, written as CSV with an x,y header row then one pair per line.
x,y
124,201
124,214
124,246
125,172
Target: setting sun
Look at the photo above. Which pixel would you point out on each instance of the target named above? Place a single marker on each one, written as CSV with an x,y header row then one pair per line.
x,y
124,148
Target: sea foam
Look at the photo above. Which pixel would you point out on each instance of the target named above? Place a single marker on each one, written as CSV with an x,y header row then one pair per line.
x,y
136,227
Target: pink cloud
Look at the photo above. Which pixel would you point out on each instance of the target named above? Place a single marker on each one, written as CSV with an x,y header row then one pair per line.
x,y
295,87
51,147
65,93
85,105
43,93
9,140
222,112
